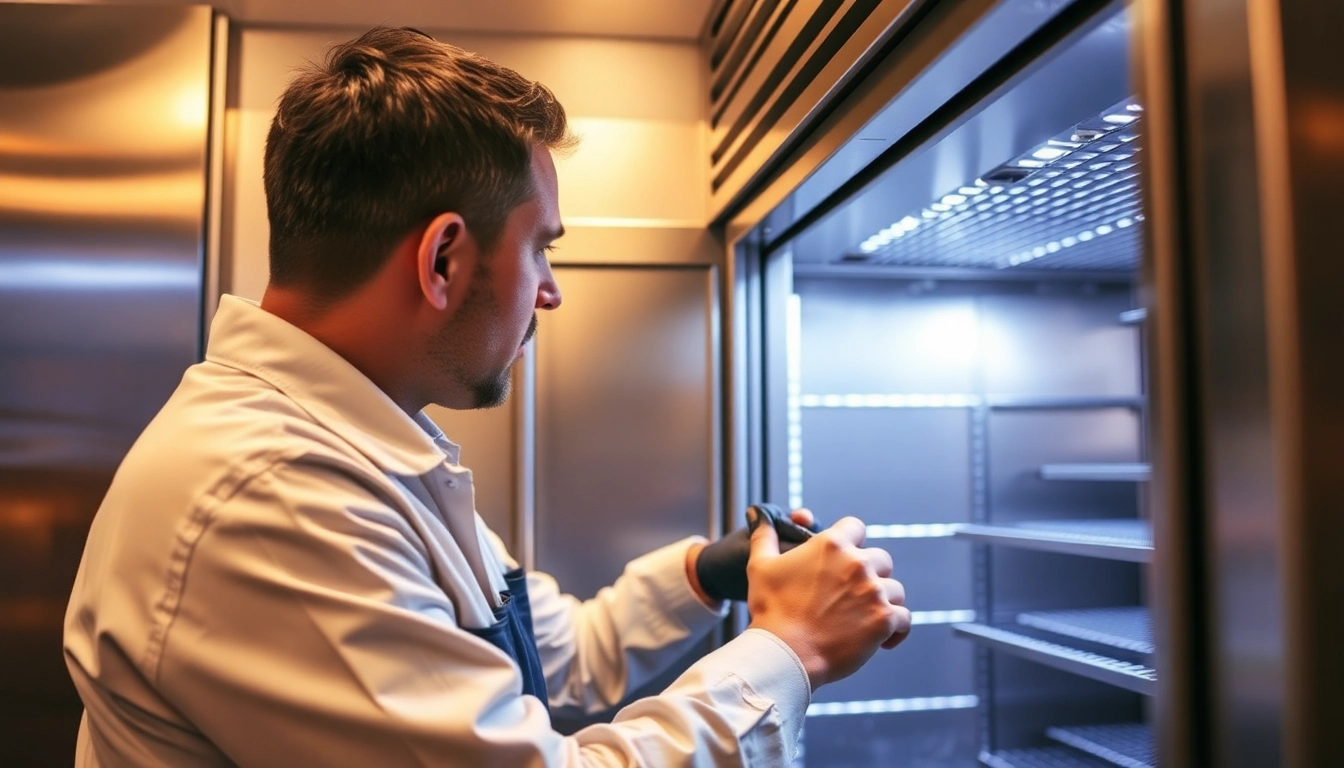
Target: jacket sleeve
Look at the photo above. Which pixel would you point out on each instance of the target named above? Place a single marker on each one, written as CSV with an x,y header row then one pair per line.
x,y
596,652
309,629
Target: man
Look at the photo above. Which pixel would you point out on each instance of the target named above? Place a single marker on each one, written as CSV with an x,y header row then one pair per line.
x,y
288,568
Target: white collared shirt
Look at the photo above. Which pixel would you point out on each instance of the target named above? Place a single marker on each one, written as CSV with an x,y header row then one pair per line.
x,y
282,569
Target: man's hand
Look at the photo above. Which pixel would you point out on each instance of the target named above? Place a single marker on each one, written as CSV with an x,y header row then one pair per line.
x,y
718,570
830,599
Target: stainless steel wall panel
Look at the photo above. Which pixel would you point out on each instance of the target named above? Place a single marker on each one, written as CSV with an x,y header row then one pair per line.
x,y
626,393
888,466
887,337
943,738
102,199
922,668
103,147
1026,336
1020,442
1024,580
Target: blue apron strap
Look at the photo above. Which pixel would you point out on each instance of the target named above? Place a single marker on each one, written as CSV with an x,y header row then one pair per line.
x,y
512,633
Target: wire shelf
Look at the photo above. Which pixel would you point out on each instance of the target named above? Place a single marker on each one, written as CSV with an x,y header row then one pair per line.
x,y
1041,757
1128,540
1128,745
1131,675
1129,629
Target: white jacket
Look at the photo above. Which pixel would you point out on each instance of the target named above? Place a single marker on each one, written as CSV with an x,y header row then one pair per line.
x,y
280,572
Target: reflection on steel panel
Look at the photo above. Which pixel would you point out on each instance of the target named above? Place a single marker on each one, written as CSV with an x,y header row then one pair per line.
x,y
102,196
625,419
102,200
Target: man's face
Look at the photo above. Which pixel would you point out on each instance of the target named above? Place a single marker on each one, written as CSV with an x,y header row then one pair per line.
x,y
478,347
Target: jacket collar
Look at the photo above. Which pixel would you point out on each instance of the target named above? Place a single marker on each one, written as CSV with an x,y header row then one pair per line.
x,y
335,393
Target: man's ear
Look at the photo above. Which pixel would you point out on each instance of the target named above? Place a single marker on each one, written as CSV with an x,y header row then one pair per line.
x,y
445,261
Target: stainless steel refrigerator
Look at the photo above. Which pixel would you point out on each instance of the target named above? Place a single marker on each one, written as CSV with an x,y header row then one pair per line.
x,y
1041,291
103,279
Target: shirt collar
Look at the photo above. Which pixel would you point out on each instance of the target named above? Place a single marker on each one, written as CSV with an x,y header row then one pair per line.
x,y
335,393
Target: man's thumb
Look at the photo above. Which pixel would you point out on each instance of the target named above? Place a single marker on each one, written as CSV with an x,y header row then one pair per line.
x,y
764,540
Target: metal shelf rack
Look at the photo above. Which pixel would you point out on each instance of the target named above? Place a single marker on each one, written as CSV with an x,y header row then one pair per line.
x,y
1042,757
1119,472
1128,745
1128,540
1122,669
1129,629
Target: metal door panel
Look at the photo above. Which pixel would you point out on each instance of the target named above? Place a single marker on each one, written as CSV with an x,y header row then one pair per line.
x,y
626,418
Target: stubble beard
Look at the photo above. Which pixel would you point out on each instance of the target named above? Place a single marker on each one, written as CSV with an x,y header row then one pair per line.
x,y
491,390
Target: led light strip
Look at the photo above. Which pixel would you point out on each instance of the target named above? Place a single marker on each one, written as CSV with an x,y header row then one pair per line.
x,y
942,617
794,345
886,706
913,530
889,401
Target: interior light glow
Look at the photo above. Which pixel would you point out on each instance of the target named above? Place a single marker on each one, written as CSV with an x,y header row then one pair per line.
x,y
971,190
1125,222
941,207
1026,162
1052,247
867,247
954,199
926,213
1134,107
1104,229
1069,242
1085,235
909,223
1049,153
920,704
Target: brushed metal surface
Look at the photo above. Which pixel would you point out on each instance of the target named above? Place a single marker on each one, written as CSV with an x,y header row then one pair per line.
x,y
626,395
103,136
102,200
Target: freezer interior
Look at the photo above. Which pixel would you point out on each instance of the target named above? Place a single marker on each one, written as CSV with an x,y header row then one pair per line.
x,y
964,370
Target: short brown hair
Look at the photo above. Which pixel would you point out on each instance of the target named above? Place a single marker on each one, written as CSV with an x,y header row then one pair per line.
x,y
389,131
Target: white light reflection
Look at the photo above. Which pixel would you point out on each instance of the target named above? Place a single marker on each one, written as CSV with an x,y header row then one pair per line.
x,y
1054,246
68,274
884,706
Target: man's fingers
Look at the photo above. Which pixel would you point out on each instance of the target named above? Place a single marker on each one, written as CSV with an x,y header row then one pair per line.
x,y
900,627
805,518
894,591
850,530
879,560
